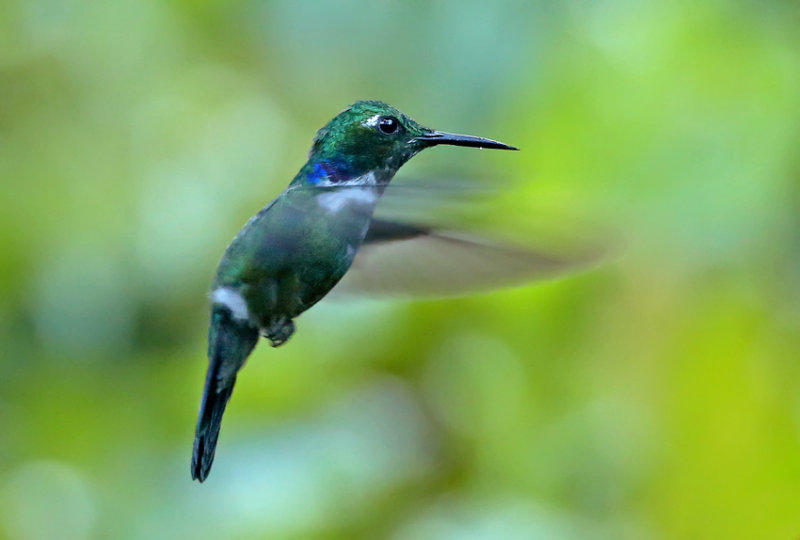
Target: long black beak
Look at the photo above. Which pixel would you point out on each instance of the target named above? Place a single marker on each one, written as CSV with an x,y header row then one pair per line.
x,y
440,137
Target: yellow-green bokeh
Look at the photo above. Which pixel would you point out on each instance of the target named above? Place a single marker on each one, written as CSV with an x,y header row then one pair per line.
x,y
657,396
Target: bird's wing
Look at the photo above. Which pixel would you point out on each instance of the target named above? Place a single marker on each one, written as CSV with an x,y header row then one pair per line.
x,y
404,259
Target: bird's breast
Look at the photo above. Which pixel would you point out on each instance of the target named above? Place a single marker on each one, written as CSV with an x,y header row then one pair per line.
x,y
347,198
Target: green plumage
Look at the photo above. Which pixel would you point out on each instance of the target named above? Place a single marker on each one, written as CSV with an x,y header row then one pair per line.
x,y
290,254
295,250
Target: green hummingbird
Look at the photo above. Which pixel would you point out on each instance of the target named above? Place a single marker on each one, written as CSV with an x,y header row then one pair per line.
x,y
297,248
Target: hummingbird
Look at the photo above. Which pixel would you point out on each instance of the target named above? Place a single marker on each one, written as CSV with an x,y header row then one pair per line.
x,y
297,248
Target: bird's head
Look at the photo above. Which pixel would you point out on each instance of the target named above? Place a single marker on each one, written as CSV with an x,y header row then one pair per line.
x,y
372,136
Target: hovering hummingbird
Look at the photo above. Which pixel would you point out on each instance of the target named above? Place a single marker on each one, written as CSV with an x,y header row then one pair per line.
x,y
298,247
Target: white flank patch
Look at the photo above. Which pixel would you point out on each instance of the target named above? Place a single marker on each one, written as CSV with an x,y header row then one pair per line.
x,y
231,299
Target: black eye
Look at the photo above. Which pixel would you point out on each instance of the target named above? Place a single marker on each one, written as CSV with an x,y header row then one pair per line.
x,y
388,124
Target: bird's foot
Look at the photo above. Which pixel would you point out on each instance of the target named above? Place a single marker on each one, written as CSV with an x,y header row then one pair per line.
x,y
279,331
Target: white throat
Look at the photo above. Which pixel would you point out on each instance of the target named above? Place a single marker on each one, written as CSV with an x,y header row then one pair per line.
x,y
359,191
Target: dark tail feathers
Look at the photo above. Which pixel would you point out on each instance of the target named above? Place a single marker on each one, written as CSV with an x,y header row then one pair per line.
x,y
230,342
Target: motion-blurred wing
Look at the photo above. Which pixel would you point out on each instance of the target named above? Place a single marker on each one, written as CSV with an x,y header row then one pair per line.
x,y
403,259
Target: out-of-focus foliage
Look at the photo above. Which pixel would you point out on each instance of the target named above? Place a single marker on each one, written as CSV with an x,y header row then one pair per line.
x,y
655,397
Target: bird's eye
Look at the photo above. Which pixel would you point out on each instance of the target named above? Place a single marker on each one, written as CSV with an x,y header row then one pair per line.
x,y
388,124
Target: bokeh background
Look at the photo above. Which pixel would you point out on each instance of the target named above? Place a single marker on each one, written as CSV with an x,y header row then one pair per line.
x,y
657,396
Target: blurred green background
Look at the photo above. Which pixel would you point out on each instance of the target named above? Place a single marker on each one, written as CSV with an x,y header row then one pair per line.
x,y
655,397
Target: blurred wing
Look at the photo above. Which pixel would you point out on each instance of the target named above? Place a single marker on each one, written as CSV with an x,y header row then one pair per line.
x,y
442,202
403,259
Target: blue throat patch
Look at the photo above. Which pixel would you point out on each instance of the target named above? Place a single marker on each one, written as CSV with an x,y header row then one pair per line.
x,y
333,172
317,174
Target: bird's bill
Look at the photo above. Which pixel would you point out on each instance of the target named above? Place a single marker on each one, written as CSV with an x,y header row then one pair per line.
x,y
440,137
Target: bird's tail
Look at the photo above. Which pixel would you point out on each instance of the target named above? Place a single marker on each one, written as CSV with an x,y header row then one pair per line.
x,y
230,342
